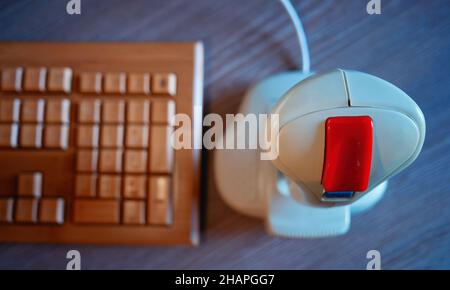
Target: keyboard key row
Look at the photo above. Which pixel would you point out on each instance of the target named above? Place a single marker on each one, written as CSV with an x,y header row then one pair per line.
x,y
110,186
133,111
32,210
35,111
33,136
128,161
59,80
131,83
37,79
115,136
89,111
134,186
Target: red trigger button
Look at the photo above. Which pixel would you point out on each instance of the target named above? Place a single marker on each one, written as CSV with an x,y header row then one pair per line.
x,y
348,154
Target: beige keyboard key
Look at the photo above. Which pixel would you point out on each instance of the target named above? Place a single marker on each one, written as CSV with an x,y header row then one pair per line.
x,y
9,134
9,110
87,160
115,83
113,111
163,111
135,186
89,111
139,83
112,136
11,79
35,79
26,210
91,83
111,161
31,136
164,84
56,136
159,202
57,111
138,111
137,136
133,212
110,186
135,161
6,210
92,211
86,185
33,111
60,80
161,151
51,211
88,136
30,184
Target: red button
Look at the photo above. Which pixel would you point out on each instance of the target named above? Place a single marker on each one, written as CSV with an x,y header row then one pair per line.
x,y
348,153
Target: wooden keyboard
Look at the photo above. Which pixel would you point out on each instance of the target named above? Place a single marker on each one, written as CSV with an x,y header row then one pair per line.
x,y
85,148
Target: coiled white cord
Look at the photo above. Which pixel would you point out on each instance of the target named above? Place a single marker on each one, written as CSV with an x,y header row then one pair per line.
x,y
301,35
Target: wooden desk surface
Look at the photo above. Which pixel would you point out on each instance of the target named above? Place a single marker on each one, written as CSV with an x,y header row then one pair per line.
x,y
245,41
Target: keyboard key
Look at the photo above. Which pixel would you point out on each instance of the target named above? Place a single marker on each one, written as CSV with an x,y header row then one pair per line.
x,y
137,136
110,186
51,210
115,83
26,210
89,111
97,211
111,161
35,79
31,136
57,111
112,136
161,151
87,160
163,112
139,83
9,135
33,111
88,136
30,184
12,79
134,212
86,185
9,110
60,80
6,210
159,208
164,84
135,186
91,83
56,136
113,111
135,161
138,111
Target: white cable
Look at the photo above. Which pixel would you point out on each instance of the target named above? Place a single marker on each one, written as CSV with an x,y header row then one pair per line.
x,y
301,35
